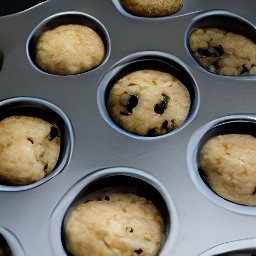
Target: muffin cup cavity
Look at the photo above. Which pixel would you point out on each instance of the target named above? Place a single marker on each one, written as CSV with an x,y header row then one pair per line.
x,y
66,18
10,242
113,180
150,61
222,20
34,107
233,124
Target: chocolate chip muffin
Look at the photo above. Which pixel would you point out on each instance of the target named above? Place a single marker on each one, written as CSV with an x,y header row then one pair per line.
x,y
29,149
69,49
149,102
228,166
117,224
223,52
152,8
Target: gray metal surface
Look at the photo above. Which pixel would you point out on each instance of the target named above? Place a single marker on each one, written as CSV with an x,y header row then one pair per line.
x,y
199,225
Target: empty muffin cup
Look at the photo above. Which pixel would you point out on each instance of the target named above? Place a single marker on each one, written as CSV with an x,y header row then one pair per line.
x,y
68,43
122,196
36,142
223,43
148,98
221,162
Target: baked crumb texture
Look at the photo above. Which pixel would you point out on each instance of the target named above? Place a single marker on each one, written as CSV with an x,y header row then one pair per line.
x,y
149,102
116,225
223,52
29,149
152,8
69,49
228,166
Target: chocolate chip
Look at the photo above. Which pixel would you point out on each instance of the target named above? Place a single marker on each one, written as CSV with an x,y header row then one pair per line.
x,y
129,229
203,52
107,198
166,126
152,133
214,51
53,133
244,70
218,50
161,107
132,103
139,251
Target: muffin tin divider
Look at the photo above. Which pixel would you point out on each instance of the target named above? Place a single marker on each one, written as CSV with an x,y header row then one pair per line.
x,y
202,224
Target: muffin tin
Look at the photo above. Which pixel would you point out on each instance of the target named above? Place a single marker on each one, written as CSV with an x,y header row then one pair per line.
x,y
99,155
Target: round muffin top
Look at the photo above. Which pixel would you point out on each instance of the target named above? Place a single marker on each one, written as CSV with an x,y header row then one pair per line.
x,y
228,166
30,149
223,52
69,49
149,102
127,225
152,8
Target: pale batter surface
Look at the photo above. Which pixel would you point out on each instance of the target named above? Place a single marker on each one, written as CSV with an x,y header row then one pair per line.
x,y
69,49
29,149
117,225
149,102
152,8
228,166
223,52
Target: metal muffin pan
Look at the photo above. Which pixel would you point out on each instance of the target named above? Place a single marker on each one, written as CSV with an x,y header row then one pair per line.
x,y
11,240
31,219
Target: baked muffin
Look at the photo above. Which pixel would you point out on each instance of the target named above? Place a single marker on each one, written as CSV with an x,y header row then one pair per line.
x,y
117,225
152,8
223,52
149,102
4,248
69,49
29,149
228,166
